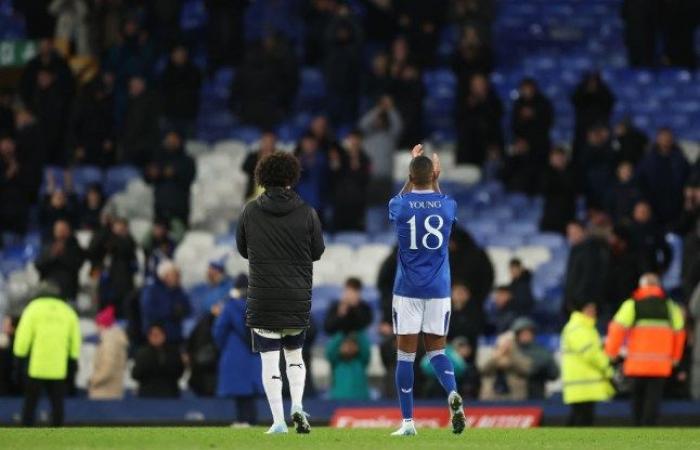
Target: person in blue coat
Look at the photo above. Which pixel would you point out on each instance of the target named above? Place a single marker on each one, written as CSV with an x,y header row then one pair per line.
x,y
164,302
217,289
239,367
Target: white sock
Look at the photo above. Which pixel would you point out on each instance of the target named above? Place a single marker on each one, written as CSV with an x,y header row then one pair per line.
x,y
272,383
296,374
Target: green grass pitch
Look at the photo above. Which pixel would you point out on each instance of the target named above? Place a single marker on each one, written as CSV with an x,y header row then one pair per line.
x,y
186,438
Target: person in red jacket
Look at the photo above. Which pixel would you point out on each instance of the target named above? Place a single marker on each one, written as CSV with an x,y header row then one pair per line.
x,y
651,327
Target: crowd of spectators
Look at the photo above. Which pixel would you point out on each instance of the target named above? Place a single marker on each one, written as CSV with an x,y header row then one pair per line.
x,y
133,111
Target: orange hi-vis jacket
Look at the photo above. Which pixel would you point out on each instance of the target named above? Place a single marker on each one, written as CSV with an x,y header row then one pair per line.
x,y
653,329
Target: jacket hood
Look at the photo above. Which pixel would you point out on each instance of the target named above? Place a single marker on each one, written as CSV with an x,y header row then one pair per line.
x,y
279,201
649,292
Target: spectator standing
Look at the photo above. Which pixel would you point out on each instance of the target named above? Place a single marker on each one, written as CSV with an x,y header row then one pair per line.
x,y
381,127
157,366
109,363
532,119
586,267
158,246
90,209
473,55
202,353
596,165
407,91
478,121
47,88
140,133
10,377
690,268
559,190
132,57
61,259
624,194
92,137
629,142
48,335
112,255
172,173
165,303
649,241
267,146
521,287
219,284
57,204
378,81
239,368
314,173
662,176
321,130
265,84
593,104
30,152
180,86
342,64
348,354
14,195
625,268
350,175
586,370
349,314
651,351
520,169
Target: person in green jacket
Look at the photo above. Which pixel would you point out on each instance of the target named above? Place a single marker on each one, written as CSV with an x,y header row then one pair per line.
x,y
49,334
348,354
586,370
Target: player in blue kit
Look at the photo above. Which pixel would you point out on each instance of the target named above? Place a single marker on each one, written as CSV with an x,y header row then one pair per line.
x,y
423,219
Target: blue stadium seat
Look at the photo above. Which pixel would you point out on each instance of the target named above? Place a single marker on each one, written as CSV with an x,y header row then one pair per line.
x,y
503,240
524,229
118,177
387,238
352,238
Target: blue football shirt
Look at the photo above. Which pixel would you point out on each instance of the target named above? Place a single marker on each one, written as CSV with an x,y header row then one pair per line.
x,y
423,222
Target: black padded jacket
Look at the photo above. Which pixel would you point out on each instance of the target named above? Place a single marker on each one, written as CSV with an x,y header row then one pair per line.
x,y
281,237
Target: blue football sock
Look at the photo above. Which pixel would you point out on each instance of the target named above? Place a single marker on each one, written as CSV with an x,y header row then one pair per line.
x,y
404,382
444,371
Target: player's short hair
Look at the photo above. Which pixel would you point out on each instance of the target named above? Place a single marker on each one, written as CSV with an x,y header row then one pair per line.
x,y
277,170
354,283
421,170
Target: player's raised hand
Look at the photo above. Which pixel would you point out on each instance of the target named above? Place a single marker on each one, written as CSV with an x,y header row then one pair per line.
x,y
417,150
436,165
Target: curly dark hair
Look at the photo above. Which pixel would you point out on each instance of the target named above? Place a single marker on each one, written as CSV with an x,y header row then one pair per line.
x,y
277,170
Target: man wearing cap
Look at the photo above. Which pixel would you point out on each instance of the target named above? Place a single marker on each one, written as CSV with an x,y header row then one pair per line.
x,y
49,335
219,284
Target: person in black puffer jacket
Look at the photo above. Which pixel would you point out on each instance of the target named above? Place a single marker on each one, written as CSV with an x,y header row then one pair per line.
x,y
281,237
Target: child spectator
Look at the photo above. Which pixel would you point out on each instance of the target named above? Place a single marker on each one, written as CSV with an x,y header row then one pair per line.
x,y
109,364
350,313
348,354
